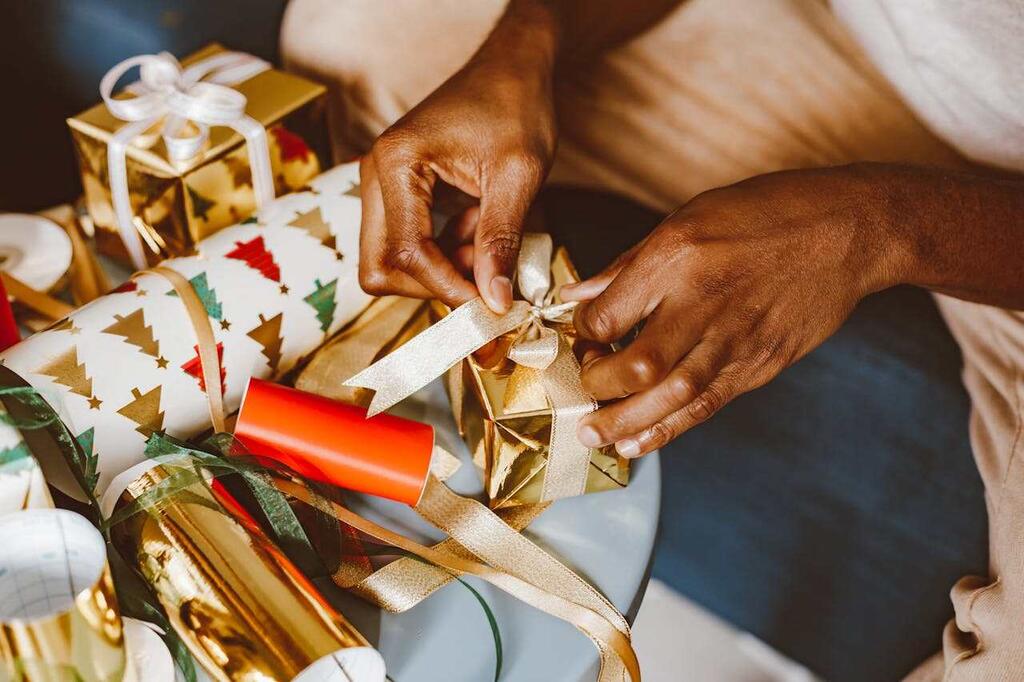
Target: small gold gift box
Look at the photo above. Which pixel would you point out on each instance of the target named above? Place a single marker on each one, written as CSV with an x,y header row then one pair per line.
x,y
177,203
503,413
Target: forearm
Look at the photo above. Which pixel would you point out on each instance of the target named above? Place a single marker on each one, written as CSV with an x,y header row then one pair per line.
x,y
959,233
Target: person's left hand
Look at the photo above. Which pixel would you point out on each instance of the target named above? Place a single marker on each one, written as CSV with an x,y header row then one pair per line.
x,y
733,287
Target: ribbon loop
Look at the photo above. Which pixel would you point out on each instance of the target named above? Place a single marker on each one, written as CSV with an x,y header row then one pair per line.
x,y
201,95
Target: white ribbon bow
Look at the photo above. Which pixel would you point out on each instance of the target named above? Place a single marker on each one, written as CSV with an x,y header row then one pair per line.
x,y
199,94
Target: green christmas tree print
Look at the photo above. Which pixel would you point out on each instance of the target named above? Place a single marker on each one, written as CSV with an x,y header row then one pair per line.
x,y
206,294
15,458
322,300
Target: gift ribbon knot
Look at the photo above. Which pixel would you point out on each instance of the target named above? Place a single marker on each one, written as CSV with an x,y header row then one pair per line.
x,y
537,347
200,95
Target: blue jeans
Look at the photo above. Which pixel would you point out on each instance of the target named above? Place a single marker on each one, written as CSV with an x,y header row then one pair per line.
x,y
829,512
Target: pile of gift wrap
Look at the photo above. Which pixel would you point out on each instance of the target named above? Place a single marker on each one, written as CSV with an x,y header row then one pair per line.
x,y
114,405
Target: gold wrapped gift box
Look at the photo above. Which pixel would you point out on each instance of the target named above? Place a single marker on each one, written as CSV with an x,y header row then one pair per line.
x,y
178,204
503,413
501,408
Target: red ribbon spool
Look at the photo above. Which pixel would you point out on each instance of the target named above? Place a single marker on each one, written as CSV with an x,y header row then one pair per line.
x,y
332,442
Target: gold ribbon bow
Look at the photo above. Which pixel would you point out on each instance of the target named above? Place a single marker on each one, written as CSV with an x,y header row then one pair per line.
x,y
538,347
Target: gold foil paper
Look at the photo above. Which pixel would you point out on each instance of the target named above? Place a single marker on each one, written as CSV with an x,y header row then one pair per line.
x,y
505,417
59,619
244,611
177,205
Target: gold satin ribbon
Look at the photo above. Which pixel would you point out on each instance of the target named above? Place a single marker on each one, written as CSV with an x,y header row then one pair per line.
x,y
618,660
206,342
518,566
537,346
44,304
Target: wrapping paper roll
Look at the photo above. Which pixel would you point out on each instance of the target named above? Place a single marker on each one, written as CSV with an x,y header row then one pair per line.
x,y
59,619
126,365
241,607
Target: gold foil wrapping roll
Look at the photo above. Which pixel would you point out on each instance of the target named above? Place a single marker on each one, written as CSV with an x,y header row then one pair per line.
x,y
243,609
59,620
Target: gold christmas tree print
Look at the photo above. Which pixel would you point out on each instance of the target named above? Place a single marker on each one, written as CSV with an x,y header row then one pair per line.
x,y
312,221
135,331
66,370
144,410
268,334
353,191
241,173
322,300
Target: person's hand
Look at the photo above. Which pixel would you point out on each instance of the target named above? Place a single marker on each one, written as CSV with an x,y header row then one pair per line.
x,y
489,131
732,288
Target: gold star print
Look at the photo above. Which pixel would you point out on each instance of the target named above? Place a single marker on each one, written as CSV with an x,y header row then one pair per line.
x,y
284,288
140,292
161,362
74,331
338,255
225,325
94,403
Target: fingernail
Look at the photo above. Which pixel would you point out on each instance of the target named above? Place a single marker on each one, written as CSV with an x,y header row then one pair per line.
x,y
628,448
588,436
501,291
588,357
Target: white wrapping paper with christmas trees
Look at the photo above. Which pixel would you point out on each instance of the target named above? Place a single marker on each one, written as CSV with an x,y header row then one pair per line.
x,y
126,365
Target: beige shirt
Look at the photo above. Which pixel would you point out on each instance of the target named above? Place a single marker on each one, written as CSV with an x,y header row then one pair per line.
x,y
959,64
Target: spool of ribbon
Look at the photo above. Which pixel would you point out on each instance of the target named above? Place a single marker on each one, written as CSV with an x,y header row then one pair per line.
x,y
537,346
199,94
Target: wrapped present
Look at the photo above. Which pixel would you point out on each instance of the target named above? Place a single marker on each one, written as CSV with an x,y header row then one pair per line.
x,y
196,149
242,608
517,400
128,364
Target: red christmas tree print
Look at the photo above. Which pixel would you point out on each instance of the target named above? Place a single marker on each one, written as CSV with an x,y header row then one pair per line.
x,y
254,254
292,146
195,367
130,285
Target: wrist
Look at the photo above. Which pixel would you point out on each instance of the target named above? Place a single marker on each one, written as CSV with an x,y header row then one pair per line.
x,y
884,236
525,40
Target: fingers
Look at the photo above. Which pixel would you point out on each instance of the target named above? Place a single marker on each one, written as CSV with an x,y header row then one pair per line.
x,y
700,409
666,337
374,278
628,298
503,207
591,288
404,247
622,420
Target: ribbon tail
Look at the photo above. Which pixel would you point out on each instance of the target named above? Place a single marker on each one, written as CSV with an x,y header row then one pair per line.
x,y
568,460
259,158
116,162
434,351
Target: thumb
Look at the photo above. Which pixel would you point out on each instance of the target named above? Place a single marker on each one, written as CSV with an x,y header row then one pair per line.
x,y
496,244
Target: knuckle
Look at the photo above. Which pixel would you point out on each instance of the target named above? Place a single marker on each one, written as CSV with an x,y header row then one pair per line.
x,y
645,369
679,389
525,166
659,434
404,258
502,242
374,282
598,323
706,404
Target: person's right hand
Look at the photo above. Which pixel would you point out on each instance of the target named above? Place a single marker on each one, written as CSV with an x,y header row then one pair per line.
x,y
488,131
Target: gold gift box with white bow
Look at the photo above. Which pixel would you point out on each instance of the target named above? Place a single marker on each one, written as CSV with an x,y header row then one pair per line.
x,y
175,204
